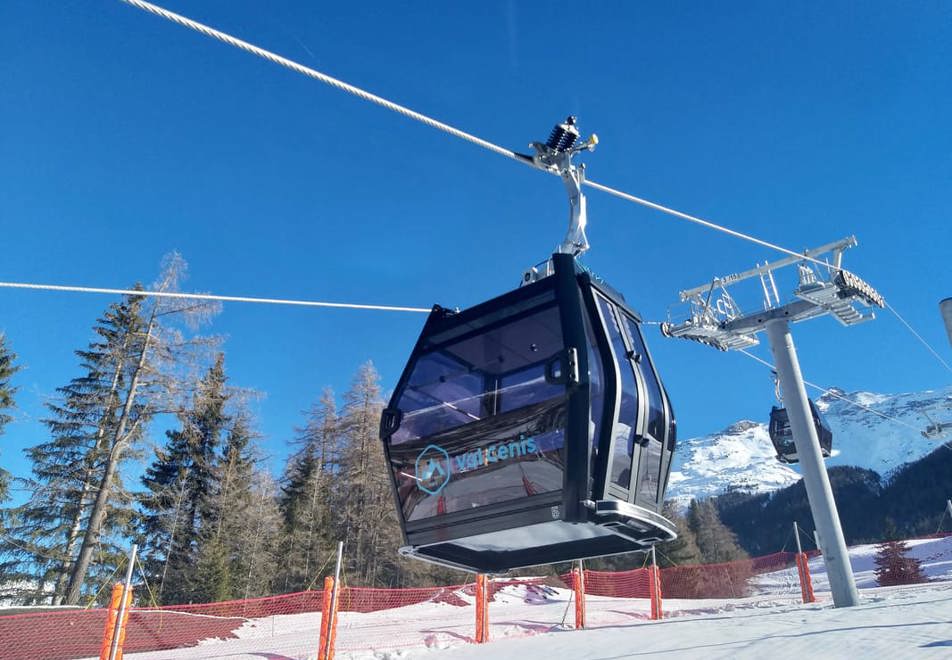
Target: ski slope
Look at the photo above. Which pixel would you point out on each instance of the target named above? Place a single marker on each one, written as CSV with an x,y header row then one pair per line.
x,y
901,622
892,623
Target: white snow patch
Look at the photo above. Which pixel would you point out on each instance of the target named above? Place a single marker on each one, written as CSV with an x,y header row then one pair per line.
x,y
899,622
741,456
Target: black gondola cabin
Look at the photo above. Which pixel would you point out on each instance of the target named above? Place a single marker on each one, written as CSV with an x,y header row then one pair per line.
x,y
530,429
781,434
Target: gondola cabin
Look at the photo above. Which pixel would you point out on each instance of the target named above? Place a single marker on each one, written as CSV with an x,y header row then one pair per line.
x,y
782,436
531,429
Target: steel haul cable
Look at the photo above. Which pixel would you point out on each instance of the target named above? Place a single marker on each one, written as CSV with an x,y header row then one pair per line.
x,y
434,123
919,337
834,394
209,296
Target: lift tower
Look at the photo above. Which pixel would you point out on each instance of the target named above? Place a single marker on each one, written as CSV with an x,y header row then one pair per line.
x,y
717,320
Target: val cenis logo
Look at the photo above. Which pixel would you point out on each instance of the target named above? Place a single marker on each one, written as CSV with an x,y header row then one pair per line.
x,y
433,469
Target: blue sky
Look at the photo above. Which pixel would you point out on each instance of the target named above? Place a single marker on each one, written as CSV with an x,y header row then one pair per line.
x,y
125,137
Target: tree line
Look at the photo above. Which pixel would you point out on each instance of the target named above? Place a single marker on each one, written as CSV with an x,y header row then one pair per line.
x,y
911,502
212,522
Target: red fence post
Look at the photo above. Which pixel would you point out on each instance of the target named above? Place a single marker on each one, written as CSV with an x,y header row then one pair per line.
x,y
323,644
806,582
482,608
487,587
654,592
124,623
479,608
579,596
332,635
111,616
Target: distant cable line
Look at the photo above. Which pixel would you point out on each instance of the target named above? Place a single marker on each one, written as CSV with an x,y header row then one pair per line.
x,y
209,296
441,126
920,338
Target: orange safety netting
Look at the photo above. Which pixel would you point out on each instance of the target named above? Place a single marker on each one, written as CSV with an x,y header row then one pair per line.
x,y
375,619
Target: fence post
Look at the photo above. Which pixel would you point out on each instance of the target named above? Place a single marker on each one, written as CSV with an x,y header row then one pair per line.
x,y
803,569
579,596
806,582
482,608
335,603
124,625
325,618
335,608
654,587
479,608
125,604
112,616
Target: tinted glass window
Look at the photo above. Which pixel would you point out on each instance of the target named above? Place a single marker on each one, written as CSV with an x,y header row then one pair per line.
x,y
649,468
649,473
441,393
480,423
656,421
623,435
525,387
596,381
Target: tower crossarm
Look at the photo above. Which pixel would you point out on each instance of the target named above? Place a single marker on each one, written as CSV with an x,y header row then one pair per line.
x,y
716,319
835,248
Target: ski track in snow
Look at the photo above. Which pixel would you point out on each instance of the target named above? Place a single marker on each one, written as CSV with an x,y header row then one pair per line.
x,y
895,622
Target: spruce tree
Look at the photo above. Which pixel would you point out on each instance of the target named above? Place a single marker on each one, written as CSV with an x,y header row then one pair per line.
x,y
160,354
179,485
67,468
67,533
894,565
682,550
8,367
222,555
306,496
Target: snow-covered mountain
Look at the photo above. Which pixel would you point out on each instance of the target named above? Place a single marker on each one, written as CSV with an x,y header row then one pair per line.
x,y
741,457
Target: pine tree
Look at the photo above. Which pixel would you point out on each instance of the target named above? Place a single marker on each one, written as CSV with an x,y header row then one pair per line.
x,y
222,559
8,367
718,545
684,549
367,521
894,566
259,550
306,496
211,580
715,541
179,487
159,353
67,468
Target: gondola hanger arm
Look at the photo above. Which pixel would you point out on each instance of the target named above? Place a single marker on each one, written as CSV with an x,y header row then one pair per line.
x,y
555,156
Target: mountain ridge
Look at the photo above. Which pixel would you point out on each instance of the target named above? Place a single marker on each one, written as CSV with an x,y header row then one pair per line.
x,y
741,458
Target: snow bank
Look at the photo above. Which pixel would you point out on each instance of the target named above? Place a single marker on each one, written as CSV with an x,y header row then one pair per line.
x,y
904,622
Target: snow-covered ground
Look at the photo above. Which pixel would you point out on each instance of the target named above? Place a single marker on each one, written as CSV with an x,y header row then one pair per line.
x,y
897,622
894,623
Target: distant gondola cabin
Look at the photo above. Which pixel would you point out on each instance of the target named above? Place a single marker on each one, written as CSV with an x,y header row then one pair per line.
x,y
781,434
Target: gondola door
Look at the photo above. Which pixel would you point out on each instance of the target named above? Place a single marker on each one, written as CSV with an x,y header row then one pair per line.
x,y
653,427
637,469
624,451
